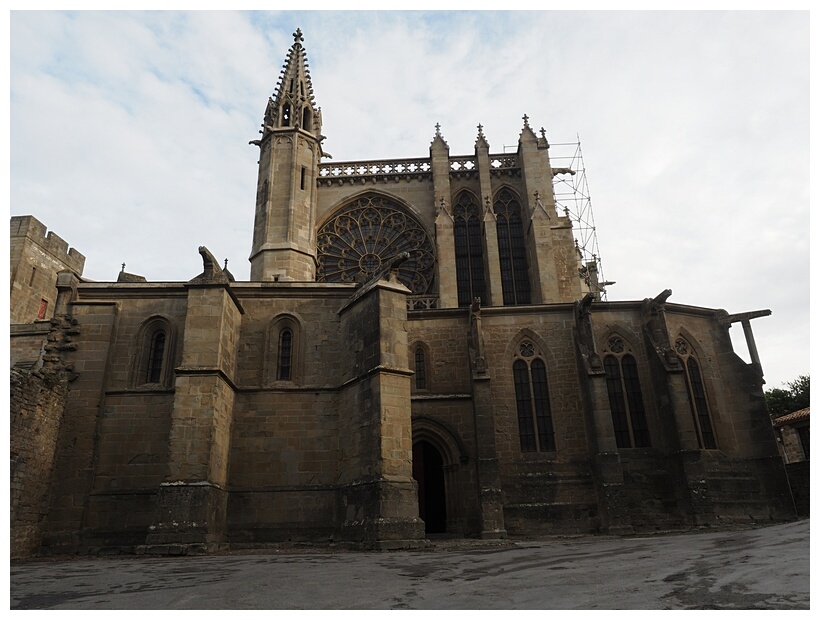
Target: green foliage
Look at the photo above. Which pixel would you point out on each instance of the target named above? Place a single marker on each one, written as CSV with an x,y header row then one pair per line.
x,y
796,397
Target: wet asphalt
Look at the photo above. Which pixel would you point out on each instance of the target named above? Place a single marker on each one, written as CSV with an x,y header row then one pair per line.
x,y
763,568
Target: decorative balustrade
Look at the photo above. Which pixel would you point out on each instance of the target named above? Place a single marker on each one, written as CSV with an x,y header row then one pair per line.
x,y
500,165
503,161
376,170
463,163
398,169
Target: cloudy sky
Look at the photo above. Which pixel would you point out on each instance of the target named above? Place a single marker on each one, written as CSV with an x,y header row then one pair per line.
x,y
129,134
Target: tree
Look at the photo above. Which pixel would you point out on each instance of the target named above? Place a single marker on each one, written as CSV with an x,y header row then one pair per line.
x,y
796,397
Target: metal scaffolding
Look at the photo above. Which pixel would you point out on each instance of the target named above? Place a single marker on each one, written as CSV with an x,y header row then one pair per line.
x,y
572,198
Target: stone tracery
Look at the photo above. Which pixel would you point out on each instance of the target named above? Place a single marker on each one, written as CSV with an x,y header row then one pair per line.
x,y
359,240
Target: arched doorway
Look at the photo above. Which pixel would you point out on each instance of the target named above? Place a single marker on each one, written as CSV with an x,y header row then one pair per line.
x,y
428,470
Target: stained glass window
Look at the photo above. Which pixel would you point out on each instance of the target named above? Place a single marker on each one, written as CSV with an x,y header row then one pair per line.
x,y
515,282
532,400
698,401
469,250
625,398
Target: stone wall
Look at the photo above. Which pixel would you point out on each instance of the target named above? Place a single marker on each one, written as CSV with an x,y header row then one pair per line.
x,y
792,446
37,404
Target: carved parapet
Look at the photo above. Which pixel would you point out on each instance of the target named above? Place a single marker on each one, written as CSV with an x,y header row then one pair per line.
x,y
584,337
654,325
373,171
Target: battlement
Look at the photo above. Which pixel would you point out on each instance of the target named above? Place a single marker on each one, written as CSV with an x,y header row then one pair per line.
x,y
30,227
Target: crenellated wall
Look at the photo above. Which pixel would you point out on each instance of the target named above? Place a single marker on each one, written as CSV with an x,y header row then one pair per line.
x,y
37,255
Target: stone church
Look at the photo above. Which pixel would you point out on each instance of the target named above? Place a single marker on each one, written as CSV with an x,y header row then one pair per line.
x,y
420,350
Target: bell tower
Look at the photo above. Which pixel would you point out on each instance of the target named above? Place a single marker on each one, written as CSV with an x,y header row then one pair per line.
x,y
284,231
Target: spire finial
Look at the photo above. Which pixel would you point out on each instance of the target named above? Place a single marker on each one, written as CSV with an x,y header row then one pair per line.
x,y
544,133
123,267
226,264
297,36
480,130
438,130
526,121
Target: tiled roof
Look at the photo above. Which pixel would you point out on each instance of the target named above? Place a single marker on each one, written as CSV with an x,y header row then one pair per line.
x,y
794,416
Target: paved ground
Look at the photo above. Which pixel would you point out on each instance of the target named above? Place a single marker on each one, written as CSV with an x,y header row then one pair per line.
x,y
765,568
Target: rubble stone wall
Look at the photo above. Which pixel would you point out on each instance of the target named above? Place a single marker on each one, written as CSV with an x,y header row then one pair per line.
x,y
37,404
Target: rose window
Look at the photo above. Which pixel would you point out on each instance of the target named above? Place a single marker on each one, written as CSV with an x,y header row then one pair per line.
x,y
360,241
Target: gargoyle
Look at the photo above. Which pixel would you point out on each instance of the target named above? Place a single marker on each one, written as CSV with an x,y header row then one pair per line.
x,y
212,273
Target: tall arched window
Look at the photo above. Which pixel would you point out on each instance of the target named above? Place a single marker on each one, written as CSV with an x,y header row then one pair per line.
x,y
512,254
285,360
469,250
420,368
532,400
155,357
625,398
698,401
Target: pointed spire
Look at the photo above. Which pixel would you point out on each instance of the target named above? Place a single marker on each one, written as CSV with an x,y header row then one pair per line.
x,y
293,103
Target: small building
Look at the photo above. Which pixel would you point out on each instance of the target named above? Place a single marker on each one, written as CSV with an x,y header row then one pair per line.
x,y
793,440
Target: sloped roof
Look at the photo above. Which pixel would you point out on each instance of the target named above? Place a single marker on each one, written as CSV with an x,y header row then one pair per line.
x,y
794,416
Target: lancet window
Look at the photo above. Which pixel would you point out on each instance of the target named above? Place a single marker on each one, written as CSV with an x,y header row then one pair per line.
x,y
420,363
155,357
469,250
698,400
625,398
285,362
283,358
512,254
532,399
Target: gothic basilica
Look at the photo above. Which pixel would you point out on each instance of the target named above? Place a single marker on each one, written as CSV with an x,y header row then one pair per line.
x,y
420,351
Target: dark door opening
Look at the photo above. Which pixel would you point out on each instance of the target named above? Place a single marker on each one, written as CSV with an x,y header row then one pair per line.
x,y
428,470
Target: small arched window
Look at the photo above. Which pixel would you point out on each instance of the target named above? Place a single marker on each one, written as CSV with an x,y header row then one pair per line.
x,y
286,115
512,254
154,359
283,351
306,125
625,399
420,368
698,401
469,250
285,358
532,400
